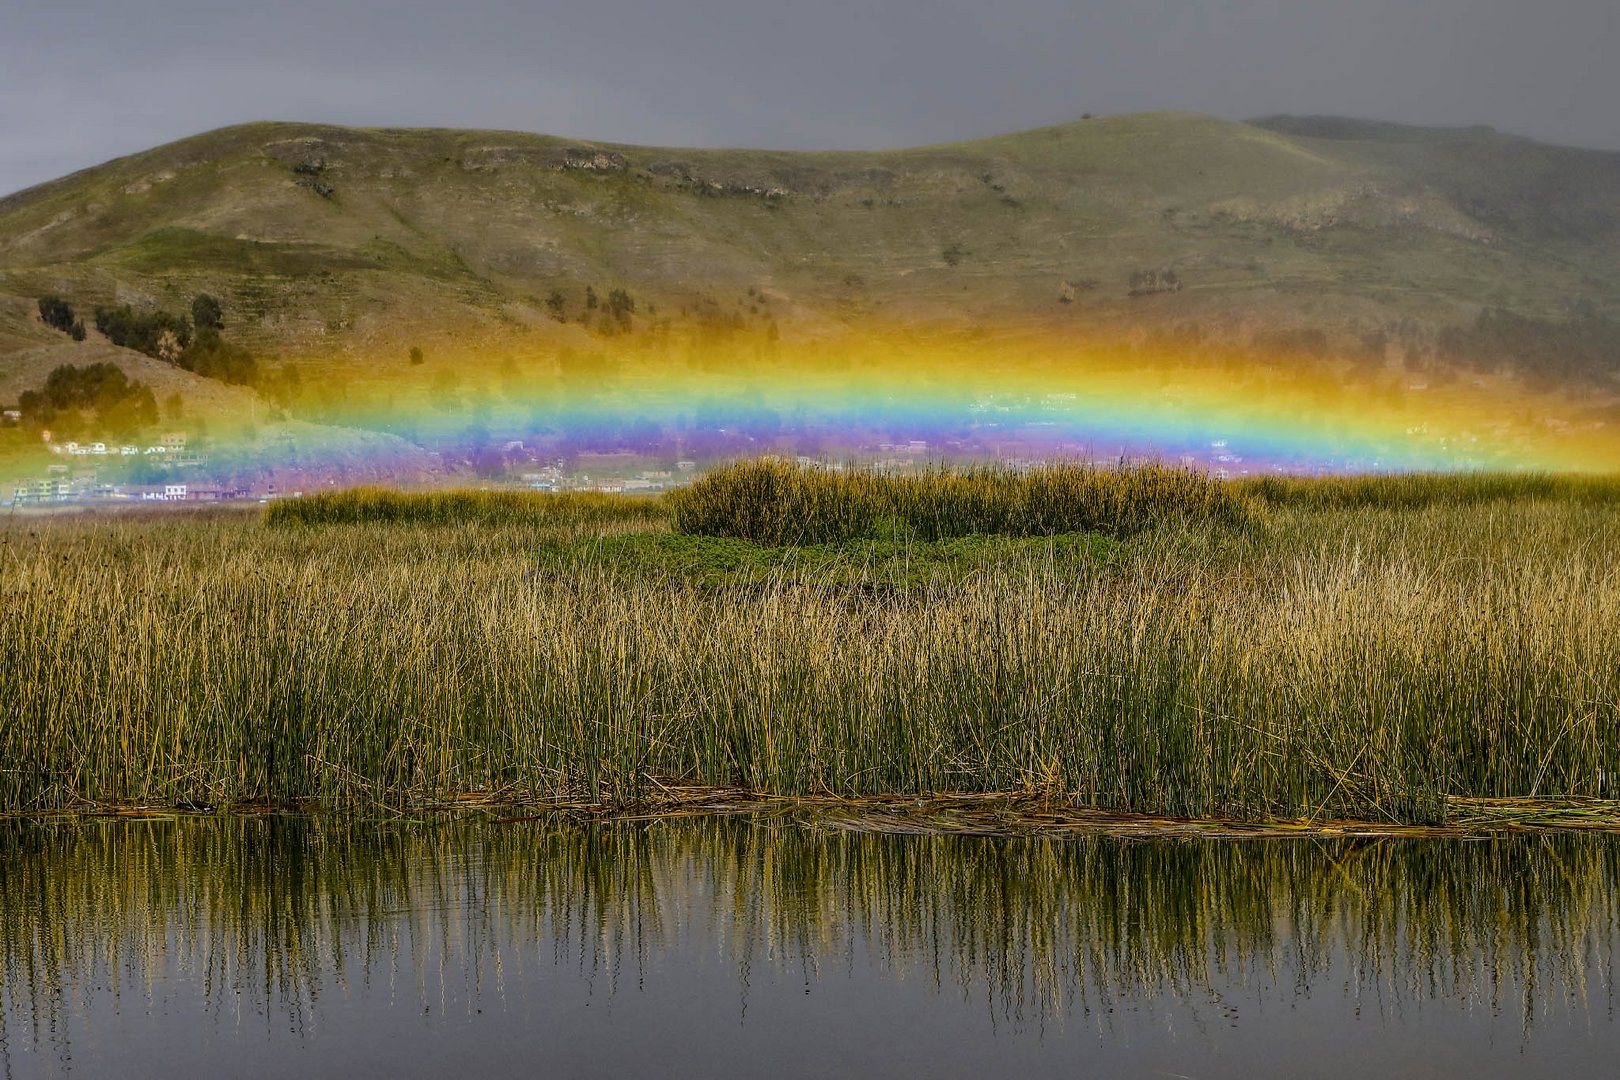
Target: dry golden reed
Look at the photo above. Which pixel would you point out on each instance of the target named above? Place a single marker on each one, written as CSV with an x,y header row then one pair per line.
x,y
1364,663
384,506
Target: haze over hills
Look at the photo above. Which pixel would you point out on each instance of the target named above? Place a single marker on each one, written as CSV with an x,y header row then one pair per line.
x,y
1402,250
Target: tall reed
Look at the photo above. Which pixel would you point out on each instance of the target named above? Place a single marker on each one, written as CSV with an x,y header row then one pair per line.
x,y
382,506
1412,491
1359,663
778,502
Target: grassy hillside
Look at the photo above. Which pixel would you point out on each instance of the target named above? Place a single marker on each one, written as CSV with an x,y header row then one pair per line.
x,y
1282,217
335,246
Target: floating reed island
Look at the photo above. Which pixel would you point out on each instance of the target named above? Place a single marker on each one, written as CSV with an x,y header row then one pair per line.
x,y
1078,643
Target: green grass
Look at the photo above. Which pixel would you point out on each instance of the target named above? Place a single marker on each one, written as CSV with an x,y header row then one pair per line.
x,y
872,565
179,250
1374,663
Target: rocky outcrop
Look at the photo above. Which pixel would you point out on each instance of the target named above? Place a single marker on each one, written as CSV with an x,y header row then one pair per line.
x,y
598,160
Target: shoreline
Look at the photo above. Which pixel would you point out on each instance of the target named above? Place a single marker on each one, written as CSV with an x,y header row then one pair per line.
x,y
988,815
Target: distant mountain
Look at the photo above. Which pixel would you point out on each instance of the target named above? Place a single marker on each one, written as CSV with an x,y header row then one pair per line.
x,y
1413,248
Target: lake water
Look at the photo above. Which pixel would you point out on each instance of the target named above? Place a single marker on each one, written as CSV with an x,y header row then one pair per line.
x,y
320,947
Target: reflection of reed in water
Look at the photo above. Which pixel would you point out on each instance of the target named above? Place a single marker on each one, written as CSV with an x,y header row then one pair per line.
x,y
268,914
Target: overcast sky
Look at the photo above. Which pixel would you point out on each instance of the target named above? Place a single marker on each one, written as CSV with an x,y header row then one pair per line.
x,y
82,81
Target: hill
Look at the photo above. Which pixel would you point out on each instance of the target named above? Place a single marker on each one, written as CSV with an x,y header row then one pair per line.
x,y
1413,249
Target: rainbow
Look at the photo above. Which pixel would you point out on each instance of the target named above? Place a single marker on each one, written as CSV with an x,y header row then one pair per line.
x,y
914,395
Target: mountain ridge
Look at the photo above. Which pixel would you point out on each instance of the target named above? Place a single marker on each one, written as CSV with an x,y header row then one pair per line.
x,y
1394,248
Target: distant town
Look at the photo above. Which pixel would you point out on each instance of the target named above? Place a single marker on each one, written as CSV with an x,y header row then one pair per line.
x,y
80,477
175,467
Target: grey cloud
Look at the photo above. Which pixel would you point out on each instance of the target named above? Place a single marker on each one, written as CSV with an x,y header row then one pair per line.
x,y
82,82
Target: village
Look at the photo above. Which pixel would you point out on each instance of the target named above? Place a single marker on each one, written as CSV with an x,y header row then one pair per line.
x,y
176,467
173,471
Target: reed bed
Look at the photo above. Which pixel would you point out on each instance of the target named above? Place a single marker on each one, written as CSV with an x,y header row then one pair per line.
x,y
778,502
1414,491
1370,664
383,506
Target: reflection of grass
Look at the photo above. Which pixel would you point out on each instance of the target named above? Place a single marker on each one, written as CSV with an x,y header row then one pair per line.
x,y
1367,663
273,909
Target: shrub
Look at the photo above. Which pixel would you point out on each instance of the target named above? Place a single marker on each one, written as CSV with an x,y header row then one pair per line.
x,y
206,312
1148,282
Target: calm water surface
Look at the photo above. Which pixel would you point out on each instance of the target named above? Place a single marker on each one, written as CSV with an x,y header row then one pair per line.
x,y
267,947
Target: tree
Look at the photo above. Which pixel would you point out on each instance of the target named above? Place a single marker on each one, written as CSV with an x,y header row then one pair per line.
x,y
557,305
131,413
206,312
284,386
416,356
120,406
212,357
621,305
590,298
154,334
56,313
93,386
